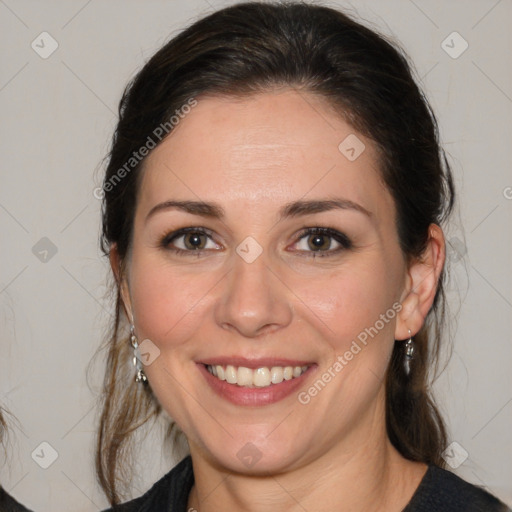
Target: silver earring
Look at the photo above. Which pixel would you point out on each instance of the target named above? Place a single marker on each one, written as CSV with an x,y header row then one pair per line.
x,y
140,376
409,354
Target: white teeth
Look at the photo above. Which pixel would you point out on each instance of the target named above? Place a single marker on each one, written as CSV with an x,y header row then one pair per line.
x,y
260,378
231,375
276,374
244,376
288,373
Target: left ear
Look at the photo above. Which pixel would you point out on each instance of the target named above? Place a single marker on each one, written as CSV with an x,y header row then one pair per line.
x,y
421,285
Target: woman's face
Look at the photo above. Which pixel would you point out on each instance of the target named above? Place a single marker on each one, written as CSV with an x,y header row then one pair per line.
x,y
290,259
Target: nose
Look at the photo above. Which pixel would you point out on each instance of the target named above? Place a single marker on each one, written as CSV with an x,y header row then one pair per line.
x,y
254,301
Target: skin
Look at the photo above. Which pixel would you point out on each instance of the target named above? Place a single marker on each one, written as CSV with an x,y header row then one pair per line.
x,y
252,156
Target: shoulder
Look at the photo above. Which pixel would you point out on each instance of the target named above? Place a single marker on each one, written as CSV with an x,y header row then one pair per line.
x,y
9,504
169,494
442,490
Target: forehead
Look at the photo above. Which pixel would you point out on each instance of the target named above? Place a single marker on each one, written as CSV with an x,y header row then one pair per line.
x,y
266,149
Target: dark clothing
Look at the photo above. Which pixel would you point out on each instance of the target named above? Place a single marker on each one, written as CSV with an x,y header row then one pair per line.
x,y
444,491
9,504
439,491
169,494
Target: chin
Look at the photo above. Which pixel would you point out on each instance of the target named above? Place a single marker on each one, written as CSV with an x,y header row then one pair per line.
x,y
255,457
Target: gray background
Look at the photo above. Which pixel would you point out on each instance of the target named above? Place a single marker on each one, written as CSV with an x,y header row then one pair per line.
x,y
59,114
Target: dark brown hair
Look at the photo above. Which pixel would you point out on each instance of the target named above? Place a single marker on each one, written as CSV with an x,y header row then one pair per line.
x,y
245,49
3,427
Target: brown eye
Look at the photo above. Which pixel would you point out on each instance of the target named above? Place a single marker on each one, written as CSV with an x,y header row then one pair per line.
x,y
194,241
189,240
319,242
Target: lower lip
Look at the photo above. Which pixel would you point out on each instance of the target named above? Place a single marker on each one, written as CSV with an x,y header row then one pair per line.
x,y
240,395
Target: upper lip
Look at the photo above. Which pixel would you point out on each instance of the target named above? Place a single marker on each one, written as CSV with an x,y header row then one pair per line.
x,y
268,362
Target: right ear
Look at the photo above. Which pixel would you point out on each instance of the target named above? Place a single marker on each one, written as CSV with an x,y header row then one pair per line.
x,y
122,282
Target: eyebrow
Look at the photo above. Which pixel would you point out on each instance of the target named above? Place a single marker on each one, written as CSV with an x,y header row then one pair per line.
x,y
294,209
298,208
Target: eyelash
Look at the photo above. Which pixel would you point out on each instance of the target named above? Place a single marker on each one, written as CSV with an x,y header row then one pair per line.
x,y
339,237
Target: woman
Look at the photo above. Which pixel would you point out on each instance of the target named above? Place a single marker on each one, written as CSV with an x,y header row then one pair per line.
x,y
272,213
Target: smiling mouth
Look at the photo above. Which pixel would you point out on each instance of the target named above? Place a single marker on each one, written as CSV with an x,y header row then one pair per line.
x,y
257,378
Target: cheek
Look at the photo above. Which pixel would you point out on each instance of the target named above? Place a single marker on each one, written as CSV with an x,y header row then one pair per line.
x,y
167,303
346,302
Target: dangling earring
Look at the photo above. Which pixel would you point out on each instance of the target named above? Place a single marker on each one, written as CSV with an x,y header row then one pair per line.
x,y
409,354
140,376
